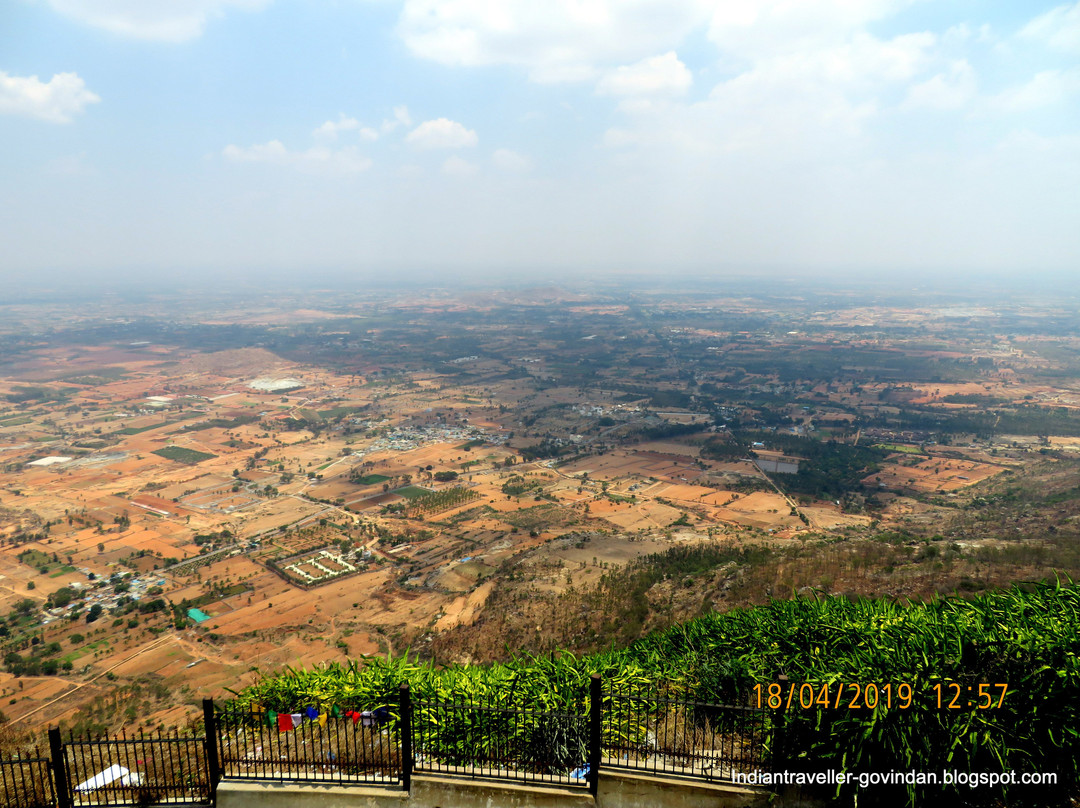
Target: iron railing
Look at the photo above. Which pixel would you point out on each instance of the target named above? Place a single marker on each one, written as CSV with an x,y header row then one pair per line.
x,y
646,729
641,729
493,739
27,782
142,769
359,747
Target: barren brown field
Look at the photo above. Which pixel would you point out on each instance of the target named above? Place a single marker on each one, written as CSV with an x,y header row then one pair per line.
x,y
934,474
583,456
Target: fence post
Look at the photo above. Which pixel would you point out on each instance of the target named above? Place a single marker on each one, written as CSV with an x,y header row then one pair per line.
x,y
59,767
596,707
780,720
406,737
213,766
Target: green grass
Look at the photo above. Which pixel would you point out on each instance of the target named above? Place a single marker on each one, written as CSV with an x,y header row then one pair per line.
x,y
71,656
338,412
182,455
18,420
896,447
412,492
38,559
371,479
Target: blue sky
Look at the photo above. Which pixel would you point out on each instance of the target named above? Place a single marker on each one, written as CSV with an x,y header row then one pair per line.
x,y
303,135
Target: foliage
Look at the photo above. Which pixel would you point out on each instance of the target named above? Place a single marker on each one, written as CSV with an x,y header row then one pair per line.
x,y
831,468
1028,637
516,485
435,501
183,455
370,479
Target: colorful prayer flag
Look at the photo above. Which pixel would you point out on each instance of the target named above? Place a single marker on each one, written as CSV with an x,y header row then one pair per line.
x,y
284,722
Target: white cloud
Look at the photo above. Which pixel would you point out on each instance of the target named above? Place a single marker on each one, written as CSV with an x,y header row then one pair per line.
x,y
272,152
1044,89
511,161
456,167
315,160
57,100
331,129
556,40
789,103
160,20
401,118
948,90
752,29
441,133
657,75
1058,28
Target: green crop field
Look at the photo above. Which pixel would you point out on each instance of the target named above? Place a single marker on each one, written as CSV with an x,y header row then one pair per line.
x,y
412,492
338,412
372,479
182,455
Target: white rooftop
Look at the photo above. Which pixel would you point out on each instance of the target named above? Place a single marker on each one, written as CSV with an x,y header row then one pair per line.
x,y
51,460
271,385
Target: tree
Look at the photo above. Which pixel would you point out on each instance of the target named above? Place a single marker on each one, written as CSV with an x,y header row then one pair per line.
x,y
62,597
94,613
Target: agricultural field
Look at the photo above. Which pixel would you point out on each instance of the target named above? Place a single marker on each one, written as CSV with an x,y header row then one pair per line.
x,y
325,488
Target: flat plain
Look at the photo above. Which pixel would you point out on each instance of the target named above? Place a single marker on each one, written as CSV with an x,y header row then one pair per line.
x,y
189,502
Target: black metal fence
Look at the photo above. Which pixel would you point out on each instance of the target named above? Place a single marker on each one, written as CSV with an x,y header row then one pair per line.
x,y
27,782
353,748
486,738
646,729
143,769
642,729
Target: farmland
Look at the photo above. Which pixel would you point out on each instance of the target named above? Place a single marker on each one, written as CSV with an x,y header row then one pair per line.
x,y
328,481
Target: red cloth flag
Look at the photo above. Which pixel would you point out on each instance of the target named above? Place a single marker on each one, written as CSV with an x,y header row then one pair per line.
x,y
284,722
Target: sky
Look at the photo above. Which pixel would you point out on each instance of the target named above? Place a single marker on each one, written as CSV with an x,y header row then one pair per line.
x,y
233,137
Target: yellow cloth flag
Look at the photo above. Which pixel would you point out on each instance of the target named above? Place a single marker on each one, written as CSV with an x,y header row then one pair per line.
x,y
322,719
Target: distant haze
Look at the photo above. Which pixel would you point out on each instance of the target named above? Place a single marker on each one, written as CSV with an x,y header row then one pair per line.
x,y
231,138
